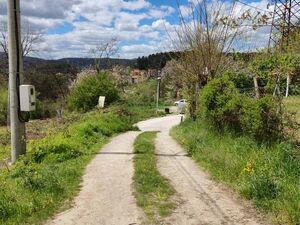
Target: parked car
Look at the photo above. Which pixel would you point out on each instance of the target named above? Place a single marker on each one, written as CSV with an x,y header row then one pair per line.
x,y
181,101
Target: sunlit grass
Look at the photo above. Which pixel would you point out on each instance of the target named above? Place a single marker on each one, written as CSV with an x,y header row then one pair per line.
x,y
153,191
269,175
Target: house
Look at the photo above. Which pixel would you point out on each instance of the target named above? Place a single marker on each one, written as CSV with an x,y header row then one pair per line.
x,y
138,75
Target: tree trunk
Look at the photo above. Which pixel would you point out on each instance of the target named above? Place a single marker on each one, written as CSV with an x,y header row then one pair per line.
x,y
256,87
288,81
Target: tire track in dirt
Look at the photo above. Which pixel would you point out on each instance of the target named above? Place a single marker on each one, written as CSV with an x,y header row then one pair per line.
x,y
203,201
106,196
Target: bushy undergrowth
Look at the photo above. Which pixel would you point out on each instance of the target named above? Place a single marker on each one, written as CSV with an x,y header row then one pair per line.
x,y
84,96
142,94
227,108
3,106
41,182
268,175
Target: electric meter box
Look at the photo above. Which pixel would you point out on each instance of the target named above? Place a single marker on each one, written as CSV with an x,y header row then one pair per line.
x,y
27,98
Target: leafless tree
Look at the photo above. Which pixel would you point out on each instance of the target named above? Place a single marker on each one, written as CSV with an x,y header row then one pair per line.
x,y
29,39
104,51
205,36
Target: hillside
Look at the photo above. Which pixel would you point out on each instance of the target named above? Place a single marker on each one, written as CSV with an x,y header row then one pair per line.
x,y
76,62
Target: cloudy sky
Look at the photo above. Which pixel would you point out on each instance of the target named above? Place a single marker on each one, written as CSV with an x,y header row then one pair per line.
x,y
72,27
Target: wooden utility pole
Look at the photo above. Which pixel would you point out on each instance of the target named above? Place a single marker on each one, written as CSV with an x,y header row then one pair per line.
x,y
18,143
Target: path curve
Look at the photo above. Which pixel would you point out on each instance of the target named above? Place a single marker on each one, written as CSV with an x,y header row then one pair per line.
x,y
203,201
106,196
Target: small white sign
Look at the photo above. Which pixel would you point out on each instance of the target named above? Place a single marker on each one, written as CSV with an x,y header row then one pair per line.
x,y
101,102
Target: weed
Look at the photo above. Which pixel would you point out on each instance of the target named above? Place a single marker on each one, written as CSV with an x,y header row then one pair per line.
x,y
269,175
153,191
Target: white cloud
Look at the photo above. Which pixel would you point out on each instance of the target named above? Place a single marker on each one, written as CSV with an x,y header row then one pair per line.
x,y
137,24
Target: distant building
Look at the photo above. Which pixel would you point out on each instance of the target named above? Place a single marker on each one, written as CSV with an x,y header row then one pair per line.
x,y
138,76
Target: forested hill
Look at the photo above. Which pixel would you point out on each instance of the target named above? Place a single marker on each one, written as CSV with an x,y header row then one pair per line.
x,y
79,63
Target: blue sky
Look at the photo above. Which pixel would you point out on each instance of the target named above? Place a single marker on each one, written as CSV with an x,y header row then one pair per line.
x,y
72,27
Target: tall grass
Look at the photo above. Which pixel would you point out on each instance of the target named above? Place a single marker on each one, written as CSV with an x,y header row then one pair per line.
x,y
3,106
153,191
268,175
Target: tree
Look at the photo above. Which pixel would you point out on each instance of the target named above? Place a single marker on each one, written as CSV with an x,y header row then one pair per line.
x,y
121,76
29,39
103,51
205,38
171,82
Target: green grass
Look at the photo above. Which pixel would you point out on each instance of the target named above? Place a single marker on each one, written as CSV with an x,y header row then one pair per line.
x,y
153,192
44,181
292,104
268,175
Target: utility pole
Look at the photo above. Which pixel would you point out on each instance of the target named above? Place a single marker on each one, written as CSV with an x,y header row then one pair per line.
x,y
18,142
157,92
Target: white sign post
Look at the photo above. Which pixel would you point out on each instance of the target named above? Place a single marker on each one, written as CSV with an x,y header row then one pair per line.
x,y
101,102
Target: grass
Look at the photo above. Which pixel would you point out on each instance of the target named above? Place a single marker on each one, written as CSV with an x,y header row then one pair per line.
x,y
268,175
292,104
45,180
153,192
37,129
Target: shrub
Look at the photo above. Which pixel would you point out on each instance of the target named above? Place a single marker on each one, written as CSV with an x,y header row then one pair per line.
x,y
143,93
241,80
226,108
84,96
259,118
44,109
3,106
221,103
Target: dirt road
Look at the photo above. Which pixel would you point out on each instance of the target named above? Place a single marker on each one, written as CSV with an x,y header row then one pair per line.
x,y
204,202
107,198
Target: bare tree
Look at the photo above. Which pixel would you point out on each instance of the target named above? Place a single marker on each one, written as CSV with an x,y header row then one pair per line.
x,y
205,37
30,39
103,51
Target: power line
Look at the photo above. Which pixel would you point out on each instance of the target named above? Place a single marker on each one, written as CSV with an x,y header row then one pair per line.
x,y
286,18
254,7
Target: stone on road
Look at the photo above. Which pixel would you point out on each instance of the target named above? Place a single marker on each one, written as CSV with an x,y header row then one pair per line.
x,y
106,196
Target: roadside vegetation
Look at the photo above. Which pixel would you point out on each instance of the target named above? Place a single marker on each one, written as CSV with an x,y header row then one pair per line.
x,y
240,126
242,141
45,180
269,175
41,182
153,192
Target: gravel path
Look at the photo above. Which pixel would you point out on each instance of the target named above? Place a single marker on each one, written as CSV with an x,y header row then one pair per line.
x,y
203,201
106,197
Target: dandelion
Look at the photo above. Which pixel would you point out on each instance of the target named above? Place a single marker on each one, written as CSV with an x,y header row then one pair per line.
x,y
248,168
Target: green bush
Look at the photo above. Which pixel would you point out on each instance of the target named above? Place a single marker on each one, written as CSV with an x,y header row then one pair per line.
x,y
269,175
241,81
226,108
84,96
259,117
3,106
34,188
44,109
141,94
221,103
